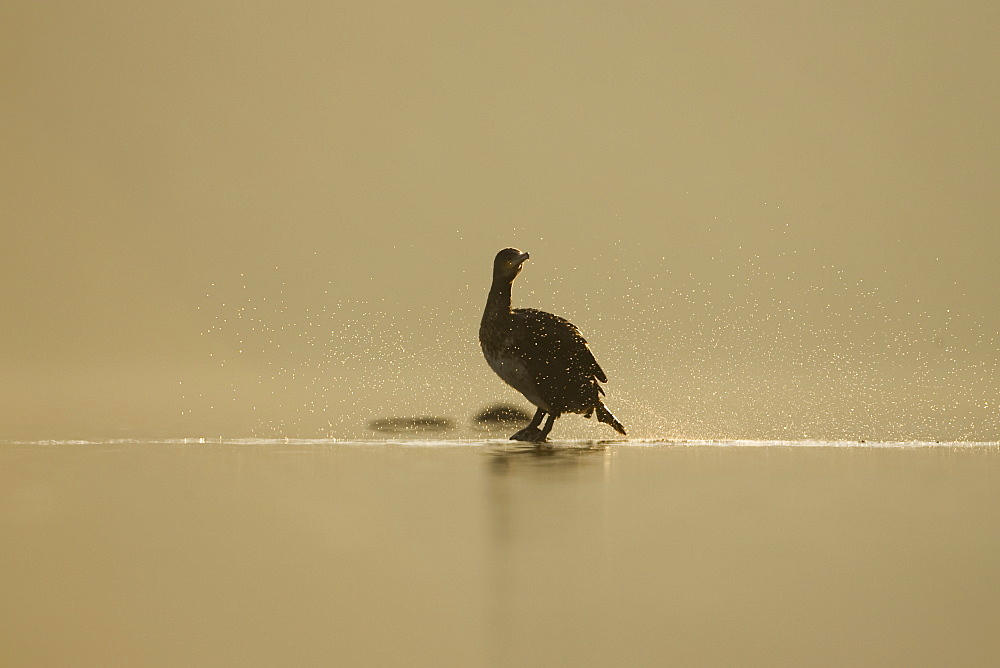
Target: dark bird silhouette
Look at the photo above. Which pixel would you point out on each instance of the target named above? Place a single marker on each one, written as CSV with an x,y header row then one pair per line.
x,y
542,356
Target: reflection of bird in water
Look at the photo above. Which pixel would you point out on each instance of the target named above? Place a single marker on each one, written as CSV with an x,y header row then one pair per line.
x,y
542,356
526,459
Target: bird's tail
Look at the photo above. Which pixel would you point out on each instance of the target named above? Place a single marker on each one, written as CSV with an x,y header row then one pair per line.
x,y
605,416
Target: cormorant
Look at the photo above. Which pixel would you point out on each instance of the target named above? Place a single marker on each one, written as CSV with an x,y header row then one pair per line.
x,y
542,356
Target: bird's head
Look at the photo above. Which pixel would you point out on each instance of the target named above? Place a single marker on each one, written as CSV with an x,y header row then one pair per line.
x,y
507,264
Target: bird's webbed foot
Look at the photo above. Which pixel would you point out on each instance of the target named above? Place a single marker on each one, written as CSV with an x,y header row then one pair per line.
x,y
529,434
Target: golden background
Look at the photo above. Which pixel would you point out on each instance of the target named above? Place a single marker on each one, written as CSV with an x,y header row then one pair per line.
x,y
770,219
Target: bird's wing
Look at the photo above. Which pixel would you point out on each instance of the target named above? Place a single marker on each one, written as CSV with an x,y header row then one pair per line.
x,y
551,345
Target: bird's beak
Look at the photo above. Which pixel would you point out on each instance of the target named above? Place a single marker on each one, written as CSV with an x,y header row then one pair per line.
x,y
522,257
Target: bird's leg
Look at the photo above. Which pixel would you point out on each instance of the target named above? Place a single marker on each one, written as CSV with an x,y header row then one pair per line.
x,y
530,433
544,433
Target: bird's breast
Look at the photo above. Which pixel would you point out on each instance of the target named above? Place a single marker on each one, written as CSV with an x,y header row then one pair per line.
x,y
499,354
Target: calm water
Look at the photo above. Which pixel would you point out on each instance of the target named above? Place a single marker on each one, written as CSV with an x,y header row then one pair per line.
x,y
486,553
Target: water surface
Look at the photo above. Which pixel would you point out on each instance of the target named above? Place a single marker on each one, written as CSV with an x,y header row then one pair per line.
x,y
466,552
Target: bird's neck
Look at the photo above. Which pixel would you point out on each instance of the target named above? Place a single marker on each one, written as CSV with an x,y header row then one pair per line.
x,y
498,303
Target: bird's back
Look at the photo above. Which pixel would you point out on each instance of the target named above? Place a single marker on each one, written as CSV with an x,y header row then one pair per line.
x,y
557,355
